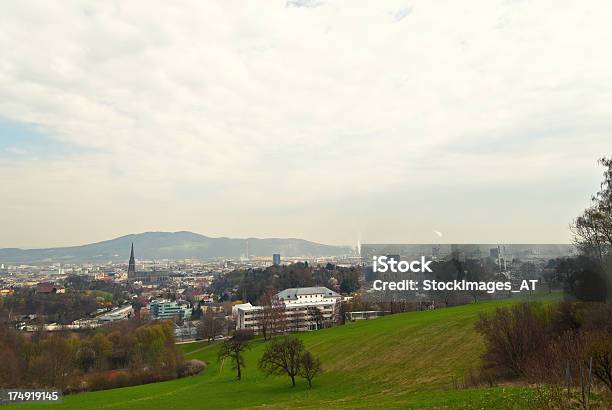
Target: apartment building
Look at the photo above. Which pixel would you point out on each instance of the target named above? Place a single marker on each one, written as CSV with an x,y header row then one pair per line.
x,y
303,309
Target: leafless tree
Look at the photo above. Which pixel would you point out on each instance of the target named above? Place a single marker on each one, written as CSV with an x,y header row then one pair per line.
x,y
593,229
272,318
210,326
315,315
233,349
599,350
310,366
282,356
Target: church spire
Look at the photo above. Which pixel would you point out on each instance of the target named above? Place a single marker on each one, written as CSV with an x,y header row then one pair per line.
x,y
132,263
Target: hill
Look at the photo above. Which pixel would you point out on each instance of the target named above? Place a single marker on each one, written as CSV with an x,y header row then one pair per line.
x,y
407,360
171,245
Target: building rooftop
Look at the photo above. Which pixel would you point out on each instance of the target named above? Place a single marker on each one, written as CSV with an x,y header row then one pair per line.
x,y
46,287
246,307
293,293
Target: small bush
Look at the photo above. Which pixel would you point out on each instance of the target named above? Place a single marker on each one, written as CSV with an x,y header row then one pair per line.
x,y
192,367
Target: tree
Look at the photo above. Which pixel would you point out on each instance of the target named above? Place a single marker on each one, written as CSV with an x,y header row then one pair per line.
x,y
528,270
549,277
210,326
475,273
599,348
512,336
123,343
102,348
14,362
349,279
597,327
315,315
278,317
233,349
52,365
593,229
272,318
310,366
446,271
196,314
266,318
583,277
154,348
61,360
85,356
282,356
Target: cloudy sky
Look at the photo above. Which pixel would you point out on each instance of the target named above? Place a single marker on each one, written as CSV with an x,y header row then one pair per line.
x,y
334,121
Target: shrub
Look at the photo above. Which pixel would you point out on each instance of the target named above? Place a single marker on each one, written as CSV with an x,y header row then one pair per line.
x,y
512,336
192,367
542,345
598,345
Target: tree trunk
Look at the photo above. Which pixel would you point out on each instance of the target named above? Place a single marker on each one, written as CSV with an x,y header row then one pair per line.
x,y
292,381
238,368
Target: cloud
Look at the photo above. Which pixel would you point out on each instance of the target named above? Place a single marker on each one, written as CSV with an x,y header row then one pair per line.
x,y
304,3
401,14
244,119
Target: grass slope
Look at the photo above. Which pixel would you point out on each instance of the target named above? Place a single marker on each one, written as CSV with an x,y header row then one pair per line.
x,y
407,360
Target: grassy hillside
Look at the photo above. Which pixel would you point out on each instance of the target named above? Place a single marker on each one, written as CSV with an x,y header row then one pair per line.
x,y
408,360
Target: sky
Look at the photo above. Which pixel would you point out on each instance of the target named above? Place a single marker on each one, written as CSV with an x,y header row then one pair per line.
x,y
333,121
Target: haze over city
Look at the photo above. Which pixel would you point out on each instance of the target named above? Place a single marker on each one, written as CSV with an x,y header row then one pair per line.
x,y
396,122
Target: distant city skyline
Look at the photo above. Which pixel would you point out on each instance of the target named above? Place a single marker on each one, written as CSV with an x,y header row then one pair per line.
x,y
335,122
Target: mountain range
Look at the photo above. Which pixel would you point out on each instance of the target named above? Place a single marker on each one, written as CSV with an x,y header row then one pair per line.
x,y
171,245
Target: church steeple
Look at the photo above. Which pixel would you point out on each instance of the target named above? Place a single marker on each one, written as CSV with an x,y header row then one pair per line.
x,y
132,263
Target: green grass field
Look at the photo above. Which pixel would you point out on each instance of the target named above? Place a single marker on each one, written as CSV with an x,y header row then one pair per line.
x,y
407,360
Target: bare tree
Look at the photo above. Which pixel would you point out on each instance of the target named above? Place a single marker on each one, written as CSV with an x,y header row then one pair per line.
x,y
272,317
266,317
511,336
315,315
593,229
282,356
599,349
310,366
278,316
233,349
53,365
210,326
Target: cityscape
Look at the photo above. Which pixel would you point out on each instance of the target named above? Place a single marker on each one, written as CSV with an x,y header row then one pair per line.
x,y
183,291
162,289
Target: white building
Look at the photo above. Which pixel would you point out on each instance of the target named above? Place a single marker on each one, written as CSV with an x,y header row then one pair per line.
x,y
305,309
117,314
247,316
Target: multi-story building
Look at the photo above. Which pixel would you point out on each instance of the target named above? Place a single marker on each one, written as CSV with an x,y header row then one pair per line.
x,y
167,310
247,316
276,259
302,309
